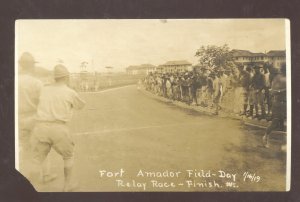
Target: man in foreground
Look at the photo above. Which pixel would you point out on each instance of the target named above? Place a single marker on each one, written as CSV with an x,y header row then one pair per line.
x,y
55,110
29,88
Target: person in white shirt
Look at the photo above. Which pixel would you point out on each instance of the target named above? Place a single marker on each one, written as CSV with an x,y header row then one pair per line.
x,y
54,111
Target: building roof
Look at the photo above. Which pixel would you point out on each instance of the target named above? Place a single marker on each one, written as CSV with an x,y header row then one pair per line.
x,y
258,54
132,67
140,67
246,53
147,66
241,53
278,53
198,65
177,62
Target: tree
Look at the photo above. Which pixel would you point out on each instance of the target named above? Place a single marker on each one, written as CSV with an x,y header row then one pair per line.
x,y
212,56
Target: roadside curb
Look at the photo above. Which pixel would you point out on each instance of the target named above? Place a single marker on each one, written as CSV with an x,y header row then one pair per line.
x,y
177,103
263,124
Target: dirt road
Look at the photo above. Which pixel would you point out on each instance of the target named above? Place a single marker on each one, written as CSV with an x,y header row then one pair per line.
x,y
124,130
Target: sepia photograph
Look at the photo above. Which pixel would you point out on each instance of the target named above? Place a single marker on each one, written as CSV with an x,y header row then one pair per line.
x,y
153,105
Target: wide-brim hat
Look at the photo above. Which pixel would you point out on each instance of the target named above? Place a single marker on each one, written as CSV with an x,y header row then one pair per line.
x,y
27,57
60,71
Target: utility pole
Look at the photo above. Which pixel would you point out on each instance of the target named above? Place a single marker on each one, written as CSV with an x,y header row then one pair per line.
x,y
108,68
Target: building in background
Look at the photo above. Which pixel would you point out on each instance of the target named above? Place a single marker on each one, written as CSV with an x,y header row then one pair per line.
x,y
175,66
247,58
198,67
149,68
133,70
276,58
144,69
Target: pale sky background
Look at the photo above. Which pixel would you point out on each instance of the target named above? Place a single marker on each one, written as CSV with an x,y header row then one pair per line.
x,y
120,43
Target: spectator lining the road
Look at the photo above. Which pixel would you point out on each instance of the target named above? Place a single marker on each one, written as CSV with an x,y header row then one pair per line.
x,y
235,90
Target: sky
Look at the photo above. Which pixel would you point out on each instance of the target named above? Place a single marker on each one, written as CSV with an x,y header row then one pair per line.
x,y
120,43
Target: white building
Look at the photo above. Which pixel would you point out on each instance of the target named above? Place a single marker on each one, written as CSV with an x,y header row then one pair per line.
x,y
175,66
140,69
245,57
276,58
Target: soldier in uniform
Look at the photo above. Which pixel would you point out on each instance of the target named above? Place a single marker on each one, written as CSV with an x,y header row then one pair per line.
x,y
180,84
210,89
184,87
29,89
187,88
267,89
245,79
163,85
278,92
252,94
204,77
194,87
258,84
217,92
54,111
177,88
168,87
29,92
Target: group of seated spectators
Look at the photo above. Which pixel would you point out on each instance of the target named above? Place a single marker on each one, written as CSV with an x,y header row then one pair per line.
x,y
238,89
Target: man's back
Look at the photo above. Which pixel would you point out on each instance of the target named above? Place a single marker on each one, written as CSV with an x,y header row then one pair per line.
x,y
258,81
57,102
29,92
245,79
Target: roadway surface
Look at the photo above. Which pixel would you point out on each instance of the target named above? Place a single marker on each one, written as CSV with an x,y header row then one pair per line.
x,y
124,128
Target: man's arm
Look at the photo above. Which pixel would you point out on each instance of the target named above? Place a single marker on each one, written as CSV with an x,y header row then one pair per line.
x,y
78,103
38,88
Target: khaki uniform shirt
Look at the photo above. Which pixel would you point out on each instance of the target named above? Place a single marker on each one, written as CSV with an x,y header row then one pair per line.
x,y
57,102
28,97
29,92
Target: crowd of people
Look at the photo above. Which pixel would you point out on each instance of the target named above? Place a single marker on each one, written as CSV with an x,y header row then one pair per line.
x,y
244,90
258,92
